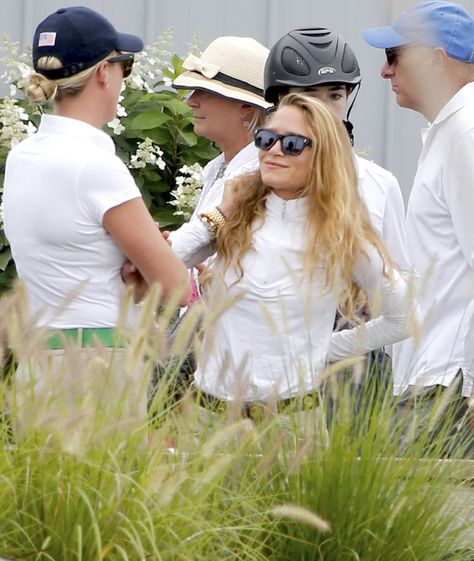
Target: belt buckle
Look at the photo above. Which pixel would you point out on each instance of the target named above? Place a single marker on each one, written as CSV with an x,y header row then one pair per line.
x,y
254,411
310,401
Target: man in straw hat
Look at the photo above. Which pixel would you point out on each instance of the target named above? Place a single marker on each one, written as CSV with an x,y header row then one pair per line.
x,y
430,56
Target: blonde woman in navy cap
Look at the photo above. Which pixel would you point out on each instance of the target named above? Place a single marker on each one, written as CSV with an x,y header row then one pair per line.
x,y
73,214
430,64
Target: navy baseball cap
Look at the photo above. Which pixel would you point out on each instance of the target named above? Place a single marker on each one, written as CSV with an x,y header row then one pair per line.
x,y
79,37
435,24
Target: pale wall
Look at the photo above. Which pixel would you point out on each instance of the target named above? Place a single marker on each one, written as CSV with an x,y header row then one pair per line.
x,y
391,133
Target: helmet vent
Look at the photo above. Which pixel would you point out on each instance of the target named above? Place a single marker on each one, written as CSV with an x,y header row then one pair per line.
x,y
294,63
349,62
321,45
317,34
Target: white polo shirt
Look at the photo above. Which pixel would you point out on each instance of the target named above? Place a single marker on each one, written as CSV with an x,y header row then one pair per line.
x,y
58,185
440,230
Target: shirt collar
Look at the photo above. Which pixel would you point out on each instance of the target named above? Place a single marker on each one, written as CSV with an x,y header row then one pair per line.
x,y
286,210
459,100
55,124
248,154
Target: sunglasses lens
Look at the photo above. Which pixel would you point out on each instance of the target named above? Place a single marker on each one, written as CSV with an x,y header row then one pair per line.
x,y
292,145
127,68
264,139
392,55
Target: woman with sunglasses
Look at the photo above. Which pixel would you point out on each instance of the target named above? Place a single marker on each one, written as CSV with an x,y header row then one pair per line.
x,y
72,210
293,241
319,62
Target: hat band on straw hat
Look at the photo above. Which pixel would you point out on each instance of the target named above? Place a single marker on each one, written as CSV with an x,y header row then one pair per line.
x,y
229,81
211,71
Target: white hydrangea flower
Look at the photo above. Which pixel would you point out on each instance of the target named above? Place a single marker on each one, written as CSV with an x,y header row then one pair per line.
x,y
121,111
147,69
188,190
147,154
18,65
15,124
116,126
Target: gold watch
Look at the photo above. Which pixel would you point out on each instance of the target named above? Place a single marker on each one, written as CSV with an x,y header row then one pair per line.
x,y
213,218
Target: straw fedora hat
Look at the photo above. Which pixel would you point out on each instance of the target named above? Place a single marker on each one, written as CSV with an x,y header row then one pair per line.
x,y
231,67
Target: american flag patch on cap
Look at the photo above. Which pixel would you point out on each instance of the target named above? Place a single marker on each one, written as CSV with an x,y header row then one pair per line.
x,y
47,39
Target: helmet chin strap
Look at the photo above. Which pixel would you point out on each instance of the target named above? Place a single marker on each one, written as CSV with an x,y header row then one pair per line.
x,y
349,126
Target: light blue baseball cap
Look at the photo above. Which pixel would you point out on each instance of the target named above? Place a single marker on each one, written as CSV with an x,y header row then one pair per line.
x,y
436,24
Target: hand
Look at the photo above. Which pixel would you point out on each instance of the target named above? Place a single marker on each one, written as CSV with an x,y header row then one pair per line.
x,y
164,233
202,268
229,199
166,236
131,276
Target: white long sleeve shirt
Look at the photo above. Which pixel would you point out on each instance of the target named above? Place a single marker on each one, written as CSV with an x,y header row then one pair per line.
x,y
381,193
440,227
276,335
377,186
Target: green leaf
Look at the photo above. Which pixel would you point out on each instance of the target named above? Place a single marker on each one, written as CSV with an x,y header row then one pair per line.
x,y
166,218
149,120
5,258
189,137
177,107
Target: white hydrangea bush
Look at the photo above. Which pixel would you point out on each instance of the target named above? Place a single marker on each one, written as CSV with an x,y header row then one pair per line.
x,y
189,184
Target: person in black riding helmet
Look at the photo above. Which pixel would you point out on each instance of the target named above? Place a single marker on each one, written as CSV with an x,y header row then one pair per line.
x,y
319,62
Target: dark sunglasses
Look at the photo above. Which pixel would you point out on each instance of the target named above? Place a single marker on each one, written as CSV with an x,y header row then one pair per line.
x,y
393,54
291,144
126,60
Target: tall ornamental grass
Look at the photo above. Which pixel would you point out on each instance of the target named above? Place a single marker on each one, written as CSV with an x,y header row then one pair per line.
x,y
190,484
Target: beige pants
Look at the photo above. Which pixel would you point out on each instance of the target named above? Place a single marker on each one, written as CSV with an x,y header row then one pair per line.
x,y
79,396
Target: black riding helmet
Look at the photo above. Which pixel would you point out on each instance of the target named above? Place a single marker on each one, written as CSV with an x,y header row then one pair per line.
x,y
310,57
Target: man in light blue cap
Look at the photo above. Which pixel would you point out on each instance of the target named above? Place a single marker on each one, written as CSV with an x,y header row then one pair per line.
x,y
430,63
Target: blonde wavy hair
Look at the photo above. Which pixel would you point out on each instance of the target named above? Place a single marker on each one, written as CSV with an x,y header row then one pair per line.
x,y
338,226
41,89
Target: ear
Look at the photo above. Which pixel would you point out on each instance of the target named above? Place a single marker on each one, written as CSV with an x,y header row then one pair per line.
x,y
102,75
247,112
440,57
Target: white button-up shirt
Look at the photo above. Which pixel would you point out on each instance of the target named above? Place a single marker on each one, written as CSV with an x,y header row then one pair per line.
x,y
440,230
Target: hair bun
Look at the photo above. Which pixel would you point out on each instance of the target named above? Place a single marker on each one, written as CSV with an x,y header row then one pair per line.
x,y
40,89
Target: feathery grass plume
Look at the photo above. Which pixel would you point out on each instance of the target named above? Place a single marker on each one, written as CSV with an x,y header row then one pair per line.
x,y
301,515
240,429
187,330
216,470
